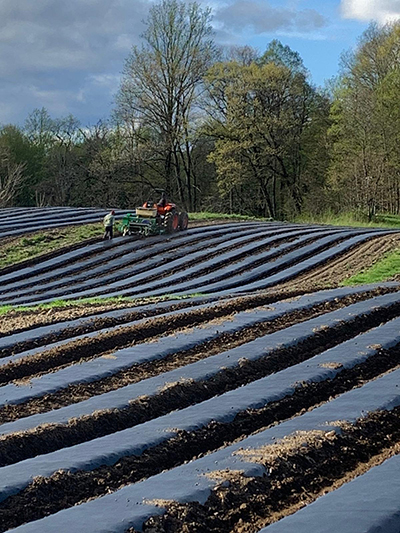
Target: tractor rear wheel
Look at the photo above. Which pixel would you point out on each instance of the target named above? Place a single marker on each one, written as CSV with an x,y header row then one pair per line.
x,y
183,221
171,222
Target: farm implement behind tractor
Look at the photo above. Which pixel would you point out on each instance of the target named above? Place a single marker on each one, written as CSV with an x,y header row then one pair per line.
x,y
154,219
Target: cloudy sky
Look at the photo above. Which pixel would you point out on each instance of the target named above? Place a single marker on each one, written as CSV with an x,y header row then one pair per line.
x,y
68,56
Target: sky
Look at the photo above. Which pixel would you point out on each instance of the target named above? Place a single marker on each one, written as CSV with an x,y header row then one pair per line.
x,y
68,56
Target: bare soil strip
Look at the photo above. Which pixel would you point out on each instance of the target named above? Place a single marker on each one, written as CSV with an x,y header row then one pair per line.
x,y
44,439
351,262
62,490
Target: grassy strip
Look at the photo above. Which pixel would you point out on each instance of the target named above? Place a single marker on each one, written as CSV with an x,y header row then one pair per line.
x,y
389,220
206,215
96,301
382,270
20,249
350,219
60,304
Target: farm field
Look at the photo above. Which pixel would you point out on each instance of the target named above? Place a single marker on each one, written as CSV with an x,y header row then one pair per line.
x,y
237,387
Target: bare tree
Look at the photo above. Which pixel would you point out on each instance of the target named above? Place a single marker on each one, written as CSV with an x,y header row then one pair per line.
x,y
161,81
10,182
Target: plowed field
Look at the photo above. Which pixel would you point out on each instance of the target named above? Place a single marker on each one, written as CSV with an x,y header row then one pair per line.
x,y
259,396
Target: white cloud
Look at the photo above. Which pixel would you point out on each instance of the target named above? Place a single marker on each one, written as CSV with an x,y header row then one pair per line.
x,y
262,17
380,10
104,80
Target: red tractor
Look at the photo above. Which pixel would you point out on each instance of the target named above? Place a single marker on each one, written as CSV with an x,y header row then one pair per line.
x,y
155,219
171,218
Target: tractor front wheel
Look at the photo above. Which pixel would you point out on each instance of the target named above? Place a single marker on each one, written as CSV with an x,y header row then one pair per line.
x,y
171,222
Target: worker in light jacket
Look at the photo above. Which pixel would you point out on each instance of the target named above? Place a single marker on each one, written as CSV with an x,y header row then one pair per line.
x,y
108,223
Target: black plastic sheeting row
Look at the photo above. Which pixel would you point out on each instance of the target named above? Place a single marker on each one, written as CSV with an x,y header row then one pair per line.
x,y
90,254
133,441
156,267
195,372
15,222
268,275
109,265
41,333
120,253
193,482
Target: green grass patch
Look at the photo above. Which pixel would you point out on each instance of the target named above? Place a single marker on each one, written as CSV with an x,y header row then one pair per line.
x,y
20,249
206,215
60,304
354,219
388,220
4,309
382,270
350,219
96,301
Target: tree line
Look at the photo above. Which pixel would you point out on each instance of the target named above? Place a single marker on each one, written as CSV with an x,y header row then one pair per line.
x,y
229,130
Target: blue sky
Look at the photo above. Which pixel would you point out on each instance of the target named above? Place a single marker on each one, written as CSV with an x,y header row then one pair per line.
x,y
68,56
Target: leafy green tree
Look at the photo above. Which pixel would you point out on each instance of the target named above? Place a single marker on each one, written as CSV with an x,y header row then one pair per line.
x,y
261,113
365,172
283,56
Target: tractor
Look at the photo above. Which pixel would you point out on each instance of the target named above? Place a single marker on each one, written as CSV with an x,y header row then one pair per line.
x,y
154,219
